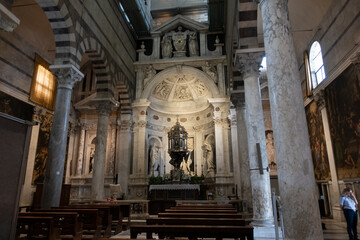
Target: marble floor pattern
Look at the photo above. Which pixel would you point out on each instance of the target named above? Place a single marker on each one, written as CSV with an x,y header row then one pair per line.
x,y
334,231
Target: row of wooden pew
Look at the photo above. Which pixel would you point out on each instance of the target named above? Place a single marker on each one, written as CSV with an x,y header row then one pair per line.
x,y
90,221
196,221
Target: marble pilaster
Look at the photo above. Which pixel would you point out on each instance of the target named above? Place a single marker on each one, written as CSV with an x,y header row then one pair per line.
x,y
244,164
335,191
27,191
221,78
139,82
66,76
198,144
235,150
70,153
111,155
221,113
80,159
139,172
294,163
124,145
260,181
98,179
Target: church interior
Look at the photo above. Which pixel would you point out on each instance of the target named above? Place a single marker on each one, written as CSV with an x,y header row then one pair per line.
x,y
154,104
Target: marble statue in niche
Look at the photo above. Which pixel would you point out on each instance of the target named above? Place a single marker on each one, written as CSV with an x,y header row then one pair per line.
x,y
155,160
209,158
211,71
166,47
162,90
193,45
150,72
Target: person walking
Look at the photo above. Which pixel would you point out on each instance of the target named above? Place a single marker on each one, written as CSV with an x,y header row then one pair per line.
x,y
348,203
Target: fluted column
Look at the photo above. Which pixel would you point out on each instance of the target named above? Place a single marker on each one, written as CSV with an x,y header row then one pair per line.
x,y
125,152
66,76
335,192
98,179
294,163
260,179
79,166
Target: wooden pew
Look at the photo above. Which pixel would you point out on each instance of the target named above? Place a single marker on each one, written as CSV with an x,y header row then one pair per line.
x,y
202,208
37,227
204,205
118,211
199,215
196,221
90,219
68,222
193,231
104,213
224,210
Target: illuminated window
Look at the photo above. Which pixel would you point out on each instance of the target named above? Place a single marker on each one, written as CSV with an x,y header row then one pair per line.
x,y
43,85
316,64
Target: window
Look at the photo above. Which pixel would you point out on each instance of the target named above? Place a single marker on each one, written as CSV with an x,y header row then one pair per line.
x,y
43,85
316,64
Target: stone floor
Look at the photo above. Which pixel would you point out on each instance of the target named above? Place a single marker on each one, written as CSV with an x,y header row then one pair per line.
x,y
334,231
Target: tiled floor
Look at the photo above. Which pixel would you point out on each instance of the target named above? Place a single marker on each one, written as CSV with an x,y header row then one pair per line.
x,y
334,231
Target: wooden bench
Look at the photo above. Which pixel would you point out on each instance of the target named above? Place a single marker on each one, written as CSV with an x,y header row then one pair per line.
x,y
193,231
118,211
196,221
91,221
204,205
37,227
199,215
104,214
68,222
224,210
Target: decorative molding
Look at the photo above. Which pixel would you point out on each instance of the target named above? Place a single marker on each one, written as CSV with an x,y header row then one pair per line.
x,y
8,21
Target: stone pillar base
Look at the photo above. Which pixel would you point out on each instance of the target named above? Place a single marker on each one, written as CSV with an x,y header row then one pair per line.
x,y
138,188
338,214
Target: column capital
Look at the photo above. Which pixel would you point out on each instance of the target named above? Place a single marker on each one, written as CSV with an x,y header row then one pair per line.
x,y
104,107
238,100
38,114
249,63
66,75
320,100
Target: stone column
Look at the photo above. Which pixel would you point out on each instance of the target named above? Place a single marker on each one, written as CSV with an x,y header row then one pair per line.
x,y
66,76
222,177
335,192
70,153
294,163
79,166
125,152
140,168
260,179
103,108
27,191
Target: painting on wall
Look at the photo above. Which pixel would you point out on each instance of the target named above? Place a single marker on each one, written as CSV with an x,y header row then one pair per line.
x,y
343,106
42,149
317,142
